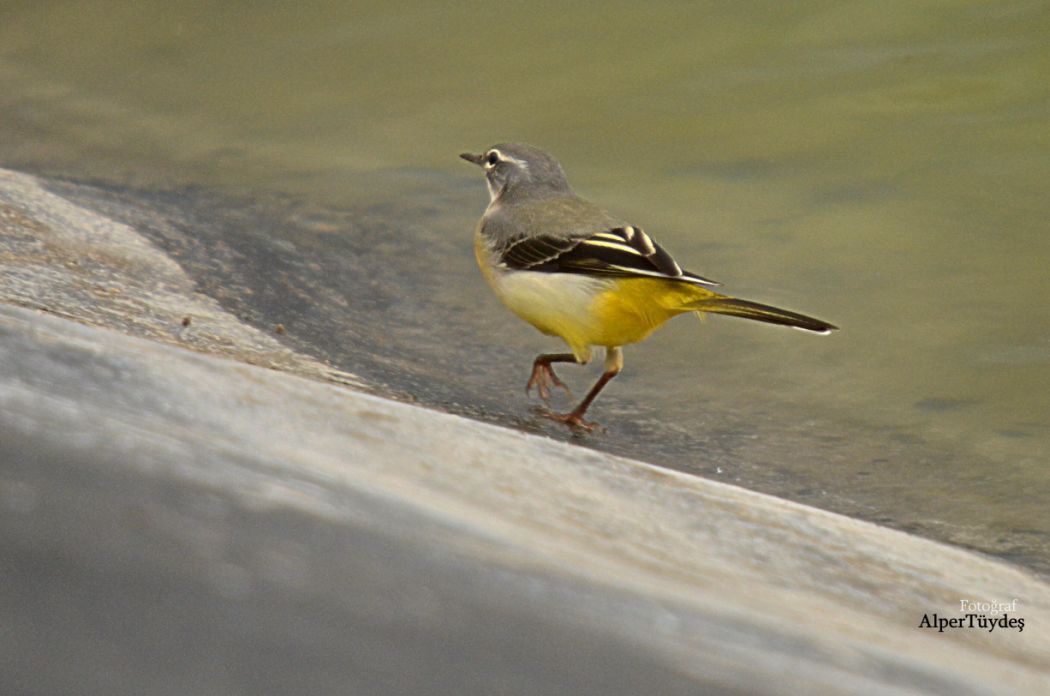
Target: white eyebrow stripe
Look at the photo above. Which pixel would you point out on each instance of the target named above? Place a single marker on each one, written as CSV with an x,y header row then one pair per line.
x,y
503,157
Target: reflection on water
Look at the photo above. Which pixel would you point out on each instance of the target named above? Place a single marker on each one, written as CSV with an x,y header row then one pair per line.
x,y
883,166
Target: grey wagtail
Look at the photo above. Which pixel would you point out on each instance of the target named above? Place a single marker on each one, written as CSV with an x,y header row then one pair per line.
x,y
573,271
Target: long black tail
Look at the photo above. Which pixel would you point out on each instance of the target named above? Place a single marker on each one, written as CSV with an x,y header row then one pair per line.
x,y
760,312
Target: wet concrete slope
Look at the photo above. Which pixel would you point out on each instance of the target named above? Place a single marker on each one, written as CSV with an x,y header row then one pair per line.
x,y
206,508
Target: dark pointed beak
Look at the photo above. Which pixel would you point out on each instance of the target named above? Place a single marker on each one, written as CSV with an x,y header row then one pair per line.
x,y
476,159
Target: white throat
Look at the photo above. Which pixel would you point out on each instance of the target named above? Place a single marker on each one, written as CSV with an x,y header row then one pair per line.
x,y
493,191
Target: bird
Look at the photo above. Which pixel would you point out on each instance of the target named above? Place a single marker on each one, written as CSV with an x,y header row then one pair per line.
x,y
574,271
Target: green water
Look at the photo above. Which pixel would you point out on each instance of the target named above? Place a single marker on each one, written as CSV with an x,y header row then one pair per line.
x,y
881,165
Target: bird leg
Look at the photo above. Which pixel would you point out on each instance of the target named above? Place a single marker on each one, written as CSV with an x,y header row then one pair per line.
x,y
543,377
574,419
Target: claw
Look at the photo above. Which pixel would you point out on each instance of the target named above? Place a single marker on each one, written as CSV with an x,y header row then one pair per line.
x,y
573,420
543,378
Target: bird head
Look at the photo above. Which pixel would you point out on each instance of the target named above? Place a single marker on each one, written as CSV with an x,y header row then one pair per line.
x,y
514,171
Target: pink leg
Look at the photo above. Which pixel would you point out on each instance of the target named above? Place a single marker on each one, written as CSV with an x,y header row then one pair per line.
x,y
574,418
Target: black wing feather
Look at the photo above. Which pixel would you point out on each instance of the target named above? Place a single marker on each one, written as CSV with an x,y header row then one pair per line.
x,y
663,261
623,251
536,253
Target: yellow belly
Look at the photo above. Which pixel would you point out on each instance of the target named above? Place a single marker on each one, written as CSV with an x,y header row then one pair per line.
x,y
635,307
588,311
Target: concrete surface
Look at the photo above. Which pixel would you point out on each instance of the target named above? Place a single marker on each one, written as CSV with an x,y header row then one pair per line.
x,y
171,516
175,520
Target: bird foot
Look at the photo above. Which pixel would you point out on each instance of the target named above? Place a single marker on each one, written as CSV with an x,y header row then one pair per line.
x,y
543,378
573,420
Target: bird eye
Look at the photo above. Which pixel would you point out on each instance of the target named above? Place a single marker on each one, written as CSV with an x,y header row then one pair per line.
x,y
492,159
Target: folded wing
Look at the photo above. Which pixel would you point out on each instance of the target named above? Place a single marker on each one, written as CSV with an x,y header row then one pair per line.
x,y
622,251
